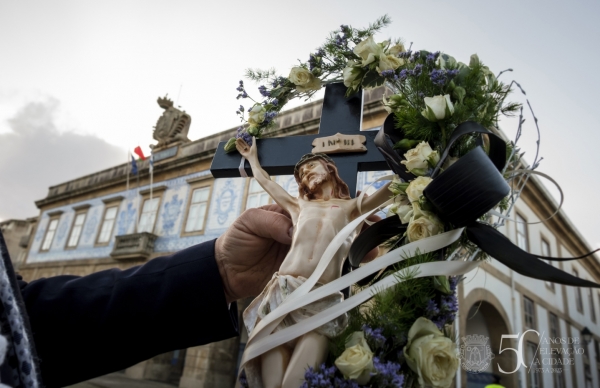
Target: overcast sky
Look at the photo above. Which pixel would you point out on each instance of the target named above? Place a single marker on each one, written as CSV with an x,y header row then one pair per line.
x,y
79,80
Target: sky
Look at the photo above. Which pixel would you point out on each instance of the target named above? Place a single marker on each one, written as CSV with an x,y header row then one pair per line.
x,y
79,80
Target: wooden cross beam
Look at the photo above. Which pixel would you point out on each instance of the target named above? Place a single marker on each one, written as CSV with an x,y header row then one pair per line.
x,y
278,156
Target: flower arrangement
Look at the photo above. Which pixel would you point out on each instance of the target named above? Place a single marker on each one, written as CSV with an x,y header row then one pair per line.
x,y
403,336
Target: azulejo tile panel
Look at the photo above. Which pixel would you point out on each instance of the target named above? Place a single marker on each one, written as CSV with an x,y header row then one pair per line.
x,y
225,206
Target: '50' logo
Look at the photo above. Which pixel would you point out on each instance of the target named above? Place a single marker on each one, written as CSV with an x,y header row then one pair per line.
x,y
518,351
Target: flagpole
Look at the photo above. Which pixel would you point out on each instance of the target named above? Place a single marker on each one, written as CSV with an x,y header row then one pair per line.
x,y
127,167
151,168
138,202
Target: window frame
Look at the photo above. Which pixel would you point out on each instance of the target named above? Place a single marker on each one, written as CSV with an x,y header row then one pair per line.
x,y
525,313
544,240
53,216
578,296
247,193
525,226
79,210
592,305
196,184
157,192
108,203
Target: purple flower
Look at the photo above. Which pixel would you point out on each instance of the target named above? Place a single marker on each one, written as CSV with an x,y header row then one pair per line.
x,y
403,74
263,91
432,309
389,74
417,70
244,136
431,57
244,95
275,102
241,108
387,373
438,77
374,334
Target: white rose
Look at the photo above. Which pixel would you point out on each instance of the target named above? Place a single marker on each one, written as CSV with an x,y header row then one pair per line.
x,y
304,79
418,159
396,49
423,224
368,50
256,115
438,108
350,74
405,212
416,187
356,362
389,62
431,355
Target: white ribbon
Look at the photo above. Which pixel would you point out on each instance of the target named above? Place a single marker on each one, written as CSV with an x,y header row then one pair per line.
x,y
261,340
281,337
242,169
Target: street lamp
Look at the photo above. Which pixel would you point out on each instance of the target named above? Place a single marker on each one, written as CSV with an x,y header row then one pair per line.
x,y
586,334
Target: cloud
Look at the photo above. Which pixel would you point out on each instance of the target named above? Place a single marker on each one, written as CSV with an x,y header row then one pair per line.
x,y
36,155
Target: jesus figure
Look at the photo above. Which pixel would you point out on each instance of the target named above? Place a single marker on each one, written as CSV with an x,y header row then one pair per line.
x,y
322,209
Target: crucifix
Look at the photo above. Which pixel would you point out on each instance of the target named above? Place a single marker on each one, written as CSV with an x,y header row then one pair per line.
x,y
322,209
278,156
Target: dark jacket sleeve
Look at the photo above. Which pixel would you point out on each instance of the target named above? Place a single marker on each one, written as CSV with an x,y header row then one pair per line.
x,y
88,326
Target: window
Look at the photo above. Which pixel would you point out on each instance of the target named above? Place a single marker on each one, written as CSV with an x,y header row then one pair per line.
x,y
198,207
257,196
554,326
522,238
558,377
533,378
592,307
597,350
52,225
588,376
76,230
578,299
108,222
529,310
547,252
148,217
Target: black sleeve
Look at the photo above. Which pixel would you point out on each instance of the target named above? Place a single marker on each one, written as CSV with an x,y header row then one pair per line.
x,y
88,326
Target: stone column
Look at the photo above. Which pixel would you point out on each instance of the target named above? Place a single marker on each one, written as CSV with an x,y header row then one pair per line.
x,y
211,366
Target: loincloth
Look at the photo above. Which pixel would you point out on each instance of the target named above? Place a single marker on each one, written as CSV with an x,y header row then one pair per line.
x,y
277,290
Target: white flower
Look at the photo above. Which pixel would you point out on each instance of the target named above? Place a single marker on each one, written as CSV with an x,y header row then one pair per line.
x,y
389,62
419,158
256,115
396,49
423,224
431,355
304,79
416,187
368,50
394,103
438,108
405,212
356,362
350,74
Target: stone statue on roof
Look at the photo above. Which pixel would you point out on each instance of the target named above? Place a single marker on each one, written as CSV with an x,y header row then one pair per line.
x,y
172,127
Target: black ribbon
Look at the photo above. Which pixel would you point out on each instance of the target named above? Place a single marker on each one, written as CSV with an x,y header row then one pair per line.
x,y
461,194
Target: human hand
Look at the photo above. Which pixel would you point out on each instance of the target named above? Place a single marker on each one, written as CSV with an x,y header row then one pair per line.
x,y
252,249
247,151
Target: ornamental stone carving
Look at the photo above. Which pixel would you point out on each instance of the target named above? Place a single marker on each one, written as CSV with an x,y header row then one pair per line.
x,y
172,127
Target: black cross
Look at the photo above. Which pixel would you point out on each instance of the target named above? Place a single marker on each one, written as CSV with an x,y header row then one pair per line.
x,y
278,156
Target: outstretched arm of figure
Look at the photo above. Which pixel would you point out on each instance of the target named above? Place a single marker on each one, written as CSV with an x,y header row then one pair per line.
x,y
377,198
276,192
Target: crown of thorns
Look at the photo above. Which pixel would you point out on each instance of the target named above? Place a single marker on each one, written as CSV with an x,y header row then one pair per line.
x,y
308,157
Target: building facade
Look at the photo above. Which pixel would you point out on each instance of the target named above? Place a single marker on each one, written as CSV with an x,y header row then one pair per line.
x,y
106,220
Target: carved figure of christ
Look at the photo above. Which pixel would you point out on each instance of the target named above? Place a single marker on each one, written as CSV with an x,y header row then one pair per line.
x,y
321,210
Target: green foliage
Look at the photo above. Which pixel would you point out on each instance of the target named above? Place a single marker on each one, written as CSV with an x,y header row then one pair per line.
x,y
395,309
